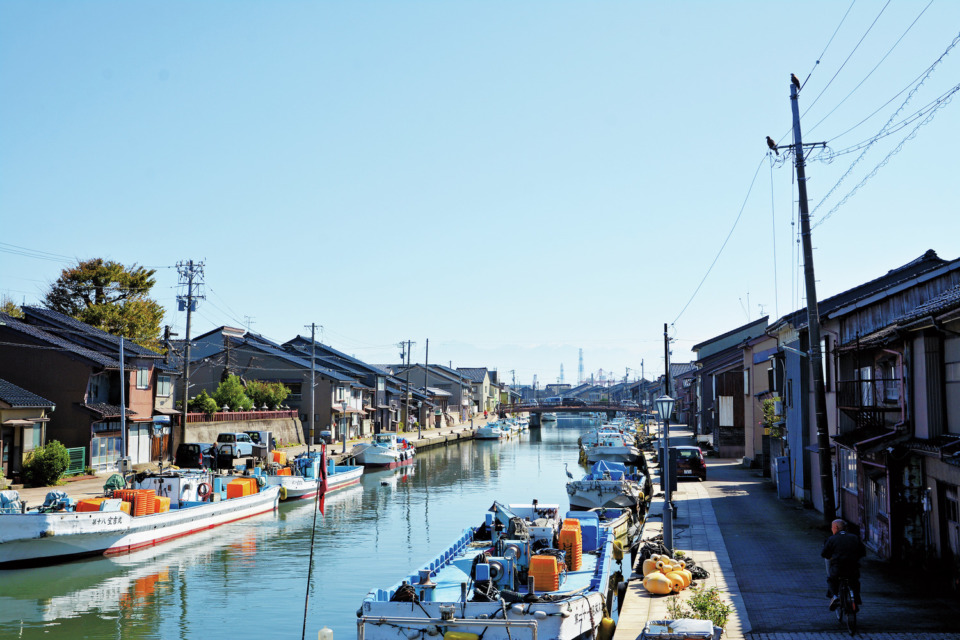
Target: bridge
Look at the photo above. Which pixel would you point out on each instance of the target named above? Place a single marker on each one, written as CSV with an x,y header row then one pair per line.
x,y
537,408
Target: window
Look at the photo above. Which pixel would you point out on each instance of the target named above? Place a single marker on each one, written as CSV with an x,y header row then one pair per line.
x,y
164,385
340,393
98,388
790,393
143,378
848,470
891,383
746,382
866,386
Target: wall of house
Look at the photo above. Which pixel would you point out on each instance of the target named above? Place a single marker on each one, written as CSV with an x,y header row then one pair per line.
x,y
58,378
140,401
730,438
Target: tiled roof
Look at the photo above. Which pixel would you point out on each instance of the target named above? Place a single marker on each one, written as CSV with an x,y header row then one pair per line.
x,y
54,320
105,410
20,398
474,374
255,341
60,344
946,301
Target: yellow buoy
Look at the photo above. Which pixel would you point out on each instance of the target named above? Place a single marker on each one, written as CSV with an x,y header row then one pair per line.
x,y
657,583
649,566
607,627
676,582
618,551
687,575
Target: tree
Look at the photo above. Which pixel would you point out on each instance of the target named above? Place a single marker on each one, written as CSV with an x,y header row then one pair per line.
x,y
46,464
111,297
271,394
230,393
9,307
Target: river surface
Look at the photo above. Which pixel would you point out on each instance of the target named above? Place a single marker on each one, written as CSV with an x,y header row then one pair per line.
x,y
249,579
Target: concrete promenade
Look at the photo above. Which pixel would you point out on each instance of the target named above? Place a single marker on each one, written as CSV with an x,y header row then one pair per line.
x,y
763,555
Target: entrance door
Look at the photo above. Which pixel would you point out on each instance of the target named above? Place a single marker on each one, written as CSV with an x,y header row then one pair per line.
x,y
6,449
951,518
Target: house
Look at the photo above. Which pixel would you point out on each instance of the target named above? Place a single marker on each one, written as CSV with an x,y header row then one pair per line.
x,y
759,390
720,389
484,396
683,375
22,418
451,381
86,386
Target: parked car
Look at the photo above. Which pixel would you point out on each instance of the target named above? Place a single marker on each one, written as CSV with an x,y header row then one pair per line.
x,y
553,400
690,462
574,402
195,455
242,444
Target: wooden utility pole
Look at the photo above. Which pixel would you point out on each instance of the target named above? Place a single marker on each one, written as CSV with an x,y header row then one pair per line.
x,y
189,271
313,384
813,322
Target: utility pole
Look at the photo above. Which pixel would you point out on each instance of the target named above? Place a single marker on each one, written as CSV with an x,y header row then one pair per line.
x,y
313,384
189,271
813,321
123,404
426,362
405,352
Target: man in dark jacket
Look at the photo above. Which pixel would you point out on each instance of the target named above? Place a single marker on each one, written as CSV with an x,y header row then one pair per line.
x,y
843,551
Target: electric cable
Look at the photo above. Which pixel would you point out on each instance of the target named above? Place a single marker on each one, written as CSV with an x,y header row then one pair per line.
x,y
820,57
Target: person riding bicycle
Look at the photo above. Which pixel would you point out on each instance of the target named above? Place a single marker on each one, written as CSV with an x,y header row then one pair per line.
x,y
843,550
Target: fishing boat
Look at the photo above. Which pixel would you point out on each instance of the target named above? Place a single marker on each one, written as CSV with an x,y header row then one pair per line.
x,y
612,446
301,477
385,450
504,580
609,485
548,417
592,437
492,431
154,509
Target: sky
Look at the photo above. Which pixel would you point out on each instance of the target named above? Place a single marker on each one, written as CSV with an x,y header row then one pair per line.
x,y
512,181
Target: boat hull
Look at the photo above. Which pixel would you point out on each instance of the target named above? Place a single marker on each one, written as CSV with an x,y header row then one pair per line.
x,y
584,500
33,539
301,488
625,455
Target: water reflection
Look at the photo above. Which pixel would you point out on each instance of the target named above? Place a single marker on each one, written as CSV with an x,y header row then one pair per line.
x,y
249,578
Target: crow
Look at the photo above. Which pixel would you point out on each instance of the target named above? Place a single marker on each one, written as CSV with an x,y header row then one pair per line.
x,y
772,145
795,80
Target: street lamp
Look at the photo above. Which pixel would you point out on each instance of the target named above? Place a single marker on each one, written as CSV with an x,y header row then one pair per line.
x,y
665,408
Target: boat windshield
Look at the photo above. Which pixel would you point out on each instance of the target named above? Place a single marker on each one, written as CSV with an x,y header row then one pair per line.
x,y
383,439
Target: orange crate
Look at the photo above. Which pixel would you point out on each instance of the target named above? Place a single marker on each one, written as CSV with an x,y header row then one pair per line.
x,y
241,487
280,457
571,544
286,471
125,507
90,504
161,504
571,523
545,571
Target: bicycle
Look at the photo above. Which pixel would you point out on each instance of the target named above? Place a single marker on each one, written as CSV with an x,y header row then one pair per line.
x,y
848,606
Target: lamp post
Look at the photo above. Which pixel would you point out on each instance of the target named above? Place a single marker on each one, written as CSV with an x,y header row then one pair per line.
x,y
665,408
343,407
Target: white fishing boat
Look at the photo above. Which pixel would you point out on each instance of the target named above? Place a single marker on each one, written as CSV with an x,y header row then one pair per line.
x,y
612,446
302,477
159,507
608,485
385,450
492,431
594,436
548,417
504,580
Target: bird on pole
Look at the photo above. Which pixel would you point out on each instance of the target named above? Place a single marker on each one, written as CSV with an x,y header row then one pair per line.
x,y
795,80
772,145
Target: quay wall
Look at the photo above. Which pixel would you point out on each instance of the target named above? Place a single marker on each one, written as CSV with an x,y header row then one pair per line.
x,y
284,430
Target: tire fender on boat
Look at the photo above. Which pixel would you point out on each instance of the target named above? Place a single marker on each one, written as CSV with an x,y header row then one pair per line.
x,y
261,482
283,492
203,490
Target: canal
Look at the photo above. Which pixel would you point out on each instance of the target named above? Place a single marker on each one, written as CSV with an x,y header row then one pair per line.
x,y
248,579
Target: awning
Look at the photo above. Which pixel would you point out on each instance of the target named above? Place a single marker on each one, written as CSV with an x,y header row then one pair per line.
x,y
167,412
349,410
866,439
14,422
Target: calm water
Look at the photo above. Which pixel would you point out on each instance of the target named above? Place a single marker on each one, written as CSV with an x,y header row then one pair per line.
x,y
249,579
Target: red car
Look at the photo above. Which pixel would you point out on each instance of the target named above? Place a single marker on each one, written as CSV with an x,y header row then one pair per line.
x,y
690,462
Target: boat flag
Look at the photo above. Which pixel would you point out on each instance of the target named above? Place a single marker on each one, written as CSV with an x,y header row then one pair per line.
x,y
323,480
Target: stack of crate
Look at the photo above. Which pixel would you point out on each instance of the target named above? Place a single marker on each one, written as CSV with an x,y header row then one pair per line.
x,y
571,543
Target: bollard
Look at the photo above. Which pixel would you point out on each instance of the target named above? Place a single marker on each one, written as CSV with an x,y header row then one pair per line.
x,y
325,634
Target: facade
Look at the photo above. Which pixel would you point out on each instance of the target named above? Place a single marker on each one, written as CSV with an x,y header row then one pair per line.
x,y
23,416
483,396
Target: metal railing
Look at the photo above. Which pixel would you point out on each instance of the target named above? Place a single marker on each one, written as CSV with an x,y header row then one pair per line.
x,y
236,416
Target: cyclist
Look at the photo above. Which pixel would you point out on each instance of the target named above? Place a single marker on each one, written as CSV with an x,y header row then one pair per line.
x,y
843,551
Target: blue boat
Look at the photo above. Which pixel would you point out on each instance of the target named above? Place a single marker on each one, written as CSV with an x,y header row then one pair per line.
x,y
505,580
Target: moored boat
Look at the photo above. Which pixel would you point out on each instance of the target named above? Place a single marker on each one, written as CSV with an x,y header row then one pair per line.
x,y
491,431
385,450
504,580
609,485
158,508
548,417
612,446
301,477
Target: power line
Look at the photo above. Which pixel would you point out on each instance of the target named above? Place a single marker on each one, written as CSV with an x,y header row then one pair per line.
x,y
889,51
848,58
835,31
727,239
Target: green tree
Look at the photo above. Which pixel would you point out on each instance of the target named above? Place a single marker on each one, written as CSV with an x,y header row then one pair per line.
x,y
111,297
771,420
271,394
9,307
203,403
45,465
230,393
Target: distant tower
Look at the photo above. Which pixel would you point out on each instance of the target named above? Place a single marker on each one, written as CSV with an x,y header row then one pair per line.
x,y
580,369
561,373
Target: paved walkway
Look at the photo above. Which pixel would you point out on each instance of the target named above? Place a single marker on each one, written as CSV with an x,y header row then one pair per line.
x,y
764,556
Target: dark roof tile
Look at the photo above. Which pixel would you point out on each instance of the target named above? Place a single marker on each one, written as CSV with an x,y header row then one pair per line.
x,y
20,398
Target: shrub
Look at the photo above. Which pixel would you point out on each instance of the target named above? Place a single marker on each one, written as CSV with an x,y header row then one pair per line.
x,y
271,394
46,464
230,394
703,604
203,403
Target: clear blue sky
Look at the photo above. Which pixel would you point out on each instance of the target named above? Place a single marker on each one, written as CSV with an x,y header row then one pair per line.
x,y
512,180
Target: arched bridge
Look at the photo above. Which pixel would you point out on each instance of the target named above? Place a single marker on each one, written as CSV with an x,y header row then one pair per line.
x,y
575,406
